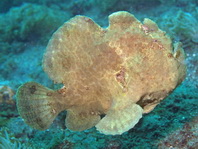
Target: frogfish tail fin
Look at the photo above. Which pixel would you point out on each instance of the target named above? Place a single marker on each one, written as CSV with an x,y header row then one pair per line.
x,y
37,105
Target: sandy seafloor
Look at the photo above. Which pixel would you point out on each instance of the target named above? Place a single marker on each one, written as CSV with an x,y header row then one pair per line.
x,y
25,29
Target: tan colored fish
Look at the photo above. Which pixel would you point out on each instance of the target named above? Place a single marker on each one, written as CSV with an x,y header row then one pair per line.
x,y
121,71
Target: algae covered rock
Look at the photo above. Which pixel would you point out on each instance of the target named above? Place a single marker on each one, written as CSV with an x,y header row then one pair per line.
x,y
183,25
30,22
119,72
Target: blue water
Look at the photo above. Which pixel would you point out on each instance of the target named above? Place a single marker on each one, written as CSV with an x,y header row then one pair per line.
x,y
25,29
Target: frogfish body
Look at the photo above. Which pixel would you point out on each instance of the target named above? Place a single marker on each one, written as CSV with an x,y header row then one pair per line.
x,y
120,72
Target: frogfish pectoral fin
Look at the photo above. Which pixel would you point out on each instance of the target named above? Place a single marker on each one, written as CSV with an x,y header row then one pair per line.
x,y
118,121
36,105
77,121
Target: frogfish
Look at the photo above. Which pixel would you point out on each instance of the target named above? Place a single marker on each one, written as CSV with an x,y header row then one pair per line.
x,y
111,76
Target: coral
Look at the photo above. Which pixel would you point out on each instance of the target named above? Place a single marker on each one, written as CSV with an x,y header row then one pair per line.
x,y
65,145
8,111
116,71
182,26
27,23
185,137
7,104
6,95
7,142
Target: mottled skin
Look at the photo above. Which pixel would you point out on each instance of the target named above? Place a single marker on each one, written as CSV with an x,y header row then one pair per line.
x,y
104,70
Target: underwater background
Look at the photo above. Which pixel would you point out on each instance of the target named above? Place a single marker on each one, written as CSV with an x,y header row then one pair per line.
x,y
25,29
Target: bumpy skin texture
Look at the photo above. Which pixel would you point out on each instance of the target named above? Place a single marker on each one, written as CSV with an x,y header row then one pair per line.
x,y
121,71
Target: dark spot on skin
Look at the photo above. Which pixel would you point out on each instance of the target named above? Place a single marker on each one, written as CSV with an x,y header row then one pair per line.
x,y
102,115
170,55
120,77
49,94
88,20
32,89
155,40
144,101
40,123
178,54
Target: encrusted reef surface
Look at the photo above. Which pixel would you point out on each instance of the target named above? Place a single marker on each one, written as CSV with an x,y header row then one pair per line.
x,y
25,29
